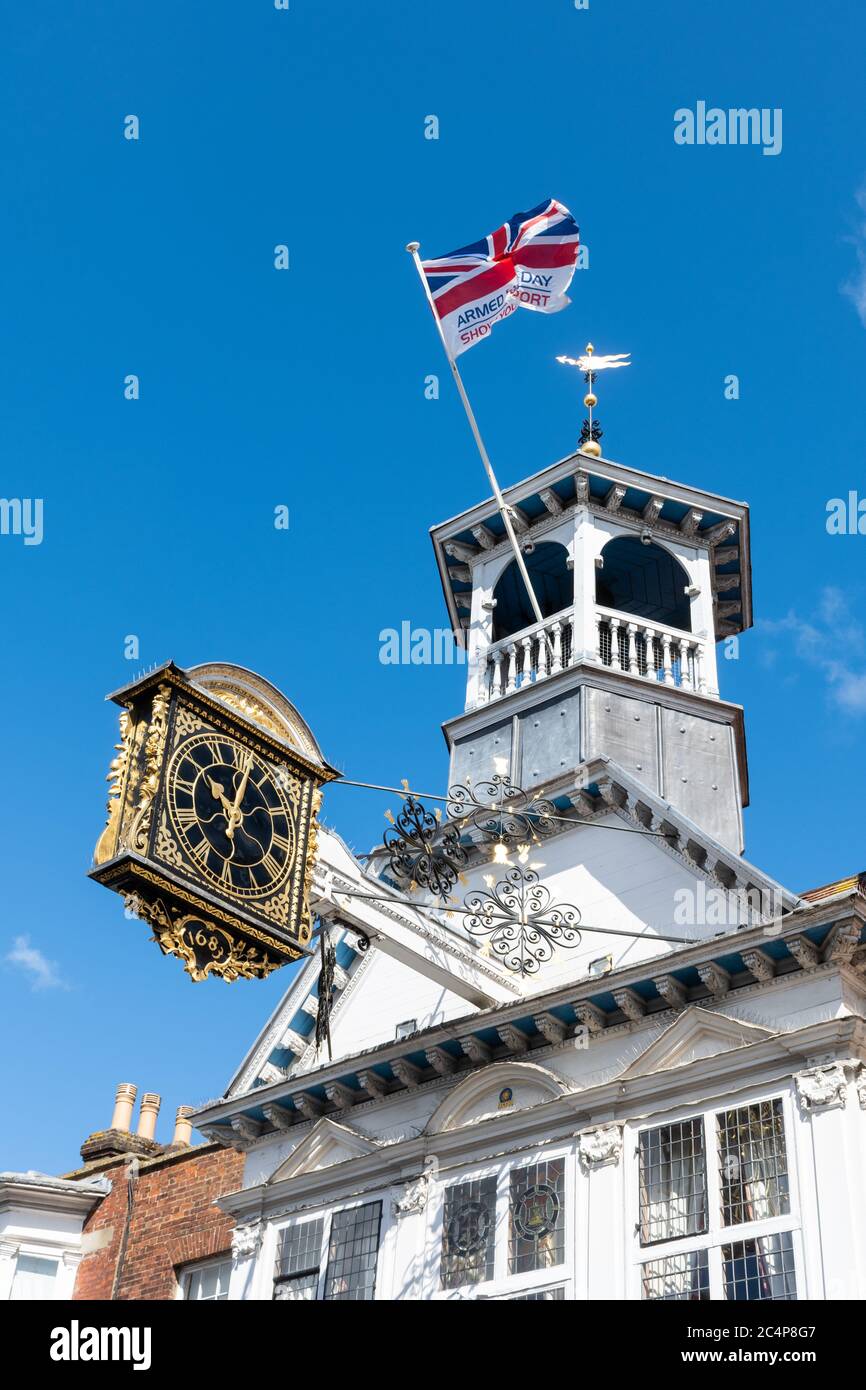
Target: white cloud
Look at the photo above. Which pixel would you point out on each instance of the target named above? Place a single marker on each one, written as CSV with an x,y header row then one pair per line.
x,y
855,286
819,639
43,972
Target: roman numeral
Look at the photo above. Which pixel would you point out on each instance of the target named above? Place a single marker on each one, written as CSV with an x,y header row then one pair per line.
x,y
186,816
271,865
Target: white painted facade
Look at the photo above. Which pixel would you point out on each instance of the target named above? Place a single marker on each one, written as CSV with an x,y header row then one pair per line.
x,y
41,1220
673,1107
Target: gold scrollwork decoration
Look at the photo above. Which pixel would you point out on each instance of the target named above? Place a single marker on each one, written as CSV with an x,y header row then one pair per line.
x,y
166,845
116,778
207,949
306,924
186,722
154,749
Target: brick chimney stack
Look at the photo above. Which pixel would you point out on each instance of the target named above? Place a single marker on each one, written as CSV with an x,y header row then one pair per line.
x,y
118,1139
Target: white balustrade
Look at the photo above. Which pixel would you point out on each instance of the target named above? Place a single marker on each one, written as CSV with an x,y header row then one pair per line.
x,y
651,650
529,656
637,647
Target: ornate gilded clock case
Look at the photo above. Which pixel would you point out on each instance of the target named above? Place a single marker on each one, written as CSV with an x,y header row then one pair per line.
x,y
211,830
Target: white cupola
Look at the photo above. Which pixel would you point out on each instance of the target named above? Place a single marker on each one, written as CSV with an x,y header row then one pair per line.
x,y
638,580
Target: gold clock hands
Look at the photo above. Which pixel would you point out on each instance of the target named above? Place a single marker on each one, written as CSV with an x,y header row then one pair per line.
x,y
218,793
235,813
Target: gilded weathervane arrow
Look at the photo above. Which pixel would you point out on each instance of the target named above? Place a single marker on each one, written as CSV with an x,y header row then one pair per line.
x,y
591,365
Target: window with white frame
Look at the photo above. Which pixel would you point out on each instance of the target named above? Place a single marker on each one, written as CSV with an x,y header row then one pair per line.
x,y
329,1257
35,1278
207,1283
552,1295
506,1228
714,1202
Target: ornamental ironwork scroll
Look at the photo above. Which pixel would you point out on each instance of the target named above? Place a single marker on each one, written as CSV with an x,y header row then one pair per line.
x,y
502,811
522,925
421,852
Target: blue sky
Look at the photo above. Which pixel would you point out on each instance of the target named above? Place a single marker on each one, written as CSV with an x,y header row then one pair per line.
x,y
306,388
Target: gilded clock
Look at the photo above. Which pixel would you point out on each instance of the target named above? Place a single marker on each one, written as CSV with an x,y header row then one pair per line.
x,y
231,815
211,829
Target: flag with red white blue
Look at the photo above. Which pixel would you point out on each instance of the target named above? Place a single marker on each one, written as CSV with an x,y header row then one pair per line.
x,y
527,264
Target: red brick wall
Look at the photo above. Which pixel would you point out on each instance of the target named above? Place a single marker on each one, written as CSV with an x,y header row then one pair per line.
x,y
173,1223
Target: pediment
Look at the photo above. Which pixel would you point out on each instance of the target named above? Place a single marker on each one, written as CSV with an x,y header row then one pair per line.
x,y
327,1144
696,1033
496,1090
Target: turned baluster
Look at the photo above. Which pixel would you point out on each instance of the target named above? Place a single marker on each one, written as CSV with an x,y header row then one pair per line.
x,y
632,646
496,688
556,659
615,661
666,666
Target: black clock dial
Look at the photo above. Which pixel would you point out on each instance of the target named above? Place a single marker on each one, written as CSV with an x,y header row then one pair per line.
x,y
231,815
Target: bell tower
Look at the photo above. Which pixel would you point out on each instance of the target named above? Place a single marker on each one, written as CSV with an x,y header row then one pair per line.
x,y
638,580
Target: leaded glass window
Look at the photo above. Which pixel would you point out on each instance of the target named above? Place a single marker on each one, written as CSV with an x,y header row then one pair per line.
x,y
299,1253
679,1278
536,1237
761,1269
468,1233
353,1252
673,1182
754,1194
753,1164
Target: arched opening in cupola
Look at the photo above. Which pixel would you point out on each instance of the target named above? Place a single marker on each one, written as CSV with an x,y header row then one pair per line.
x,y
645,580
552,582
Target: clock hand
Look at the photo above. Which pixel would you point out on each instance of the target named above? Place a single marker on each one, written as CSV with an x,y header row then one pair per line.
x,y
218,793
235,812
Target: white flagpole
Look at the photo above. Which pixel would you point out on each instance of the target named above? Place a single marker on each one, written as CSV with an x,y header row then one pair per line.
x,y
413,248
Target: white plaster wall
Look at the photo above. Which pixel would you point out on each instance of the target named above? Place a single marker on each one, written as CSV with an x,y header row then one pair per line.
x,y
826,1155
617,880
48,1235
390,993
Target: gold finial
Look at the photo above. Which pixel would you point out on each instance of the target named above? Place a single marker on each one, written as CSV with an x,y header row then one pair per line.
x,y
589,365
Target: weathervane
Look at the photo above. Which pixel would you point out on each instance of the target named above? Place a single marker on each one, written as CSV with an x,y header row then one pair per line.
x,y
591,431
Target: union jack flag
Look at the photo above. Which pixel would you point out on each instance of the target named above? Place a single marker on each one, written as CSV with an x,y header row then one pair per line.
x,y
527,264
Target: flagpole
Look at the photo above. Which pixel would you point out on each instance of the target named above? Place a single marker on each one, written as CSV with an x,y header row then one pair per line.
x,y
413,248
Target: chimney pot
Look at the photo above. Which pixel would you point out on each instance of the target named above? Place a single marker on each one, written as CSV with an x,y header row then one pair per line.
x,y
124,1103
150,1103
182,1126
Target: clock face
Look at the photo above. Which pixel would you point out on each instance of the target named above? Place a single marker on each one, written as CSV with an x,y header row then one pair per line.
x,y
231,816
